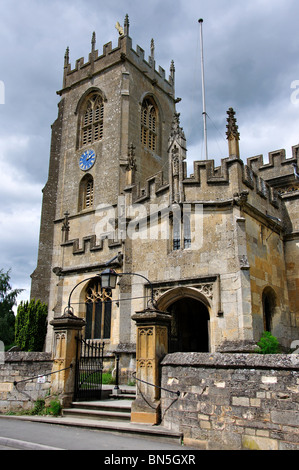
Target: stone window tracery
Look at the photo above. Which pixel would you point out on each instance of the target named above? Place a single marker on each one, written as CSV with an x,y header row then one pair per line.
x,y
149,125
181,232
98,312
92,120
86,191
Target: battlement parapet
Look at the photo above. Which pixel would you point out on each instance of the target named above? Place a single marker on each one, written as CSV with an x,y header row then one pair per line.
x,y
153,185
92,241
212,183
278,166
123,52
233,174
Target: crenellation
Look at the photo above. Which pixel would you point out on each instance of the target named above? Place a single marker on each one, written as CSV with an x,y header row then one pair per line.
x,y
161,72
278,166
262,187
155,184
276,158
107,48
140,52
295,153
249,176
205,173
123,51
79,63
93,56
79,247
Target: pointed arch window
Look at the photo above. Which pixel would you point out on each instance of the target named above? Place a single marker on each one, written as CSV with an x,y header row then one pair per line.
x,y
149,125
98,303
92,120
86,192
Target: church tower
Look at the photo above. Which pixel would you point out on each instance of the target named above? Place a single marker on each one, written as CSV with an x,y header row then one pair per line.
x,y
112,130
207,247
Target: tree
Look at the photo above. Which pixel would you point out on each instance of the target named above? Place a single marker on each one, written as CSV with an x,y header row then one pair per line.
x,y
8,298
31,325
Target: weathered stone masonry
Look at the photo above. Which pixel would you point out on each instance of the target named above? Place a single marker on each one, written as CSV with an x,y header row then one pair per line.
x,y
233,401
19,366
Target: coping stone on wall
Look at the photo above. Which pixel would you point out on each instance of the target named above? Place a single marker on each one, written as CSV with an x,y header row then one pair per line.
x,y
22,356
228,361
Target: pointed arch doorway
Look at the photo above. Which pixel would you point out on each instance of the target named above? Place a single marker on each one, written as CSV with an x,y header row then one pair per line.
x,y
189,330
190,318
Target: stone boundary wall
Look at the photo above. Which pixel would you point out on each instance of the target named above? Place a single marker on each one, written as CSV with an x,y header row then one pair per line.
x,y
233,401
19,366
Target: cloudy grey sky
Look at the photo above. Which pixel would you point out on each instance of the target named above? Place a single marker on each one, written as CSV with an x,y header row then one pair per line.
x,y
251,54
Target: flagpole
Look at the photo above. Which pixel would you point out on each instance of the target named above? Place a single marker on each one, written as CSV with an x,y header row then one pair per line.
x,y
203,92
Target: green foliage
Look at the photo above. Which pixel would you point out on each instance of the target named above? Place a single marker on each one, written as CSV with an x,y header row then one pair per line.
x,y
268,344
107,378
7,301
39,407
31,325
131,383
54,408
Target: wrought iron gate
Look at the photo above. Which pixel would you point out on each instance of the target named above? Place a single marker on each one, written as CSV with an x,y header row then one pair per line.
x,y
89,369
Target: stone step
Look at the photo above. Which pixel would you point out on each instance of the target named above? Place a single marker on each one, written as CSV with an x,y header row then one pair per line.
x,y
100,410
106,415
111,404
114,415
123,396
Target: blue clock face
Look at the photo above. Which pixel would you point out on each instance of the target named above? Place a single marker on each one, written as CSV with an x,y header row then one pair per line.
x,y
87,160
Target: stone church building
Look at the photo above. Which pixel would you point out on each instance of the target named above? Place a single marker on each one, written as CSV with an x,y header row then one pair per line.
x,y
218,249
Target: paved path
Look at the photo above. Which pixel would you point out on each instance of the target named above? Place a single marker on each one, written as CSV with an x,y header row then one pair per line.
x,y
23,434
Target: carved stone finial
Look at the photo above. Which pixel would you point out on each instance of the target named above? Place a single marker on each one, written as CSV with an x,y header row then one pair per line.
x,y
67,57
232,134
93,42
176,129
172,69
126,25
153,49
232,128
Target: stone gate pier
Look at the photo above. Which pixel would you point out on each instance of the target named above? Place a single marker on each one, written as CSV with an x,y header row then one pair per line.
x,y
151,347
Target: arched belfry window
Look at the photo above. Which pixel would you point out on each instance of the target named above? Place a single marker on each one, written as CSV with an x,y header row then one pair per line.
x,y
92,119
98,303
149,125
86,193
